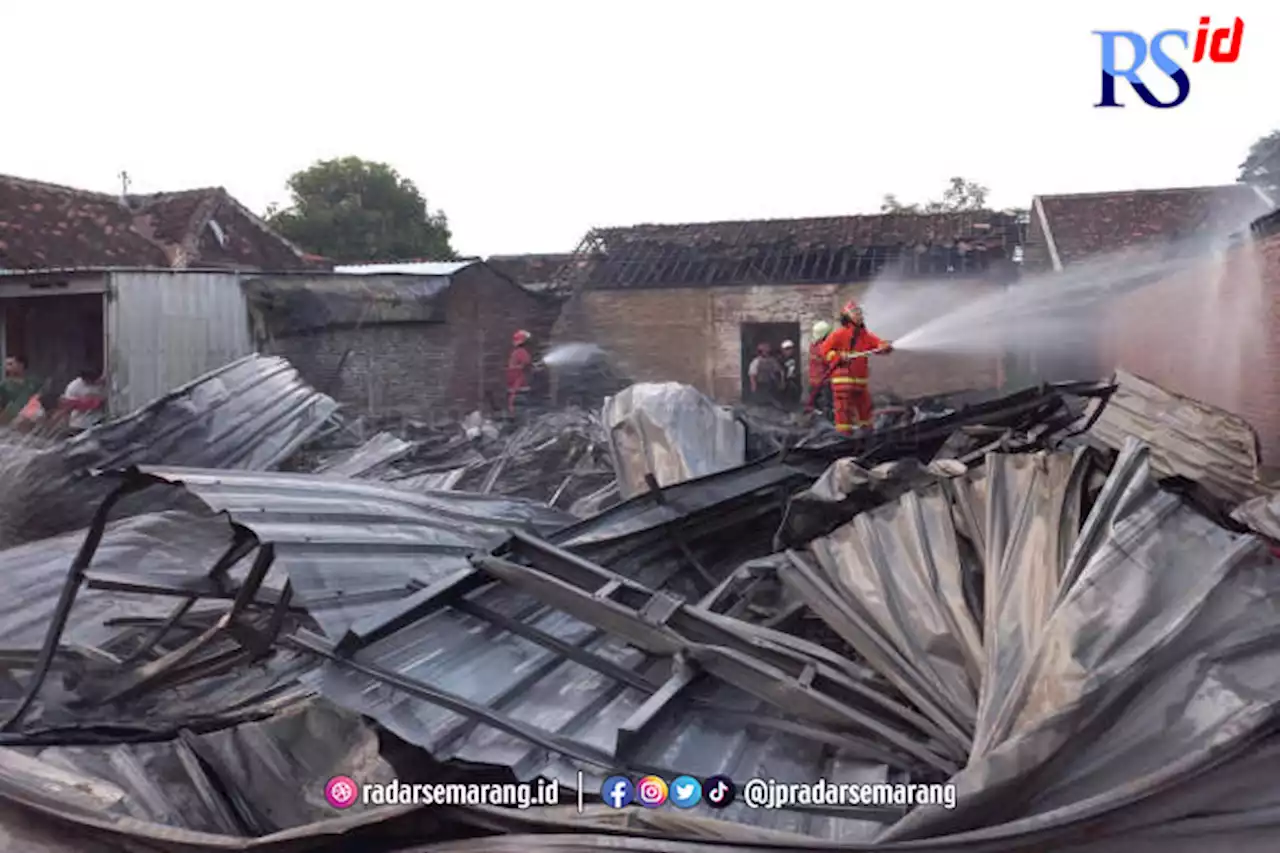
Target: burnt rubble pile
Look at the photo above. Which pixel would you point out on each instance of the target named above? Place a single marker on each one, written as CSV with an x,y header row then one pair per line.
x,y
1059,601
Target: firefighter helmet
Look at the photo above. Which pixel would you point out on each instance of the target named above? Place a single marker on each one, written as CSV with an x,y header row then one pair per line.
x,y
852,310
520,337
821,329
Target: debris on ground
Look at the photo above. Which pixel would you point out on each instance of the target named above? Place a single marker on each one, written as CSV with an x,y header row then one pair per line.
x,y
663,433
1059,602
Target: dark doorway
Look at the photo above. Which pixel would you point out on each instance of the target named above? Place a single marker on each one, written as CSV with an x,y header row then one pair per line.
x,y
57,335
773,334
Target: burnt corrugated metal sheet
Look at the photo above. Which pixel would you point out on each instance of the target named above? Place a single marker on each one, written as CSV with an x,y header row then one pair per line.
x,y
283,305
1148,656
167,328
1125,658
368,457
351,547
251,414
256,786
1187,438
145,545
496,676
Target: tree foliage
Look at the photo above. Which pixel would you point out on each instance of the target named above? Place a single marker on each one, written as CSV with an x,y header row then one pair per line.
x,y
352,210
959,195
1262,167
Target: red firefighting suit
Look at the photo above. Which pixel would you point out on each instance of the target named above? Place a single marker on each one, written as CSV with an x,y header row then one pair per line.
x,y
519,364
849,389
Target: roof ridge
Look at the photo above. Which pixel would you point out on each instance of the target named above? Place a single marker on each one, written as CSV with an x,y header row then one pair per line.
x,y
49,185
794,219
165,195
262,223
1106,193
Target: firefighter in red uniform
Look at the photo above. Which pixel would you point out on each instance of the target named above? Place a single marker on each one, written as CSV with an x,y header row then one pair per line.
x,y
849,371
819,389
519,366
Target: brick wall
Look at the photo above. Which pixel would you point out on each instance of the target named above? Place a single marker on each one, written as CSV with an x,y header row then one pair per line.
x,y
1211,333
426,369
653,335
694,336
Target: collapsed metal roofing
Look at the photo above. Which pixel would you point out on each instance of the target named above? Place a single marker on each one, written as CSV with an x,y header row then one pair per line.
x,y
1008,598
251,414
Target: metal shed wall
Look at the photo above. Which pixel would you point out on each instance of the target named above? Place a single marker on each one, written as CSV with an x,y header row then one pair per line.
x,y
166,328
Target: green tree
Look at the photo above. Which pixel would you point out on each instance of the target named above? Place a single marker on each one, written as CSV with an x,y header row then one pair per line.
x,y
353,210
1262,167
959,195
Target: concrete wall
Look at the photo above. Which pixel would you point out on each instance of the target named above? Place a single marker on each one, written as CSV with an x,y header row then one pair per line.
x,y
1213,334
693,335
426,369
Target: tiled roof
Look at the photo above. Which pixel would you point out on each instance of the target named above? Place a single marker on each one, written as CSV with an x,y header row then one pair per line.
x,y
827,249
46,226
830,232
1090,224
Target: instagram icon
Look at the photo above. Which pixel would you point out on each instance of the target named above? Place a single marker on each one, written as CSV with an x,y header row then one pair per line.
x,y
651,791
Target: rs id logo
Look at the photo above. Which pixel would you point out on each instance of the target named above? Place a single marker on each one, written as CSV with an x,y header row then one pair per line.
x,y
1221,45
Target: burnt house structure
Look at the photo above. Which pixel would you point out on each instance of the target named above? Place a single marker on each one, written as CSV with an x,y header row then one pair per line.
x,y
538,272
689,302
427,339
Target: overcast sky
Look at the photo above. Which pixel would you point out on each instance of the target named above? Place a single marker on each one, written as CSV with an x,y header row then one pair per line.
x,y
530,122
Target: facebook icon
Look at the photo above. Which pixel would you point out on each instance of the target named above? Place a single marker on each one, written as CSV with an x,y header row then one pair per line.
x,y
617,791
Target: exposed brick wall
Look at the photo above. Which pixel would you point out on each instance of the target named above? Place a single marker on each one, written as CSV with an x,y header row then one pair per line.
x,y
653,335
693,335
426,369
1212,333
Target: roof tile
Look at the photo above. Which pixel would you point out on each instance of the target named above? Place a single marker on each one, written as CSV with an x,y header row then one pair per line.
x,y
1090,224
46,226
835,248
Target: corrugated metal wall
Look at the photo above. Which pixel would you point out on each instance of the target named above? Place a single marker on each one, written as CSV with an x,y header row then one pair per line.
x,y
167,328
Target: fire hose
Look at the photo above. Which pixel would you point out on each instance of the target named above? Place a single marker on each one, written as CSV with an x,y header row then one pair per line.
x,y
813,395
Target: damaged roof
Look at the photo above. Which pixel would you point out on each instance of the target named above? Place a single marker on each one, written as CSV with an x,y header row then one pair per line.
x,y
826,249
1084,225
1008,599
537,271
47,226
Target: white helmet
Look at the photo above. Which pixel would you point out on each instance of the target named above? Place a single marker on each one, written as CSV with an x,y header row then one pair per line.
x,y
821,329
788,345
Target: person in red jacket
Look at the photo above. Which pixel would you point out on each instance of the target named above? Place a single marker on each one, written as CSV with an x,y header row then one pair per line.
x,y
845,351
819,388
519,366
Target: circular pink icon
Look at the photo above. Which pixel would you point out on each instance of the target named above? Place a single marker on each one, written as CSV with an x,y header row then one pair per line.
x,y
341,792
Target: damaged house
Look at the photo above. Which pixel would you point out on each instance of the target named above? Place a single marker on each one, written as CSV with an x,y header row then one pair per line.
x,y
132,284
1199,313
400,338
690,302
540,272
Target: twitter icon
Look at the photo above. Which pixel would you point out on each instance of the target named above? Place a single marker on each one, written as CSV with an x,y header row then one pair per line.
x,y
686,791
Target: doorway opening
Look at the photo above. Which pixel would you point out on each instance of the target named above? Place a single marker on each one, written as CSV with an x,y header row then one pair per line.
x,y
773,334
57,336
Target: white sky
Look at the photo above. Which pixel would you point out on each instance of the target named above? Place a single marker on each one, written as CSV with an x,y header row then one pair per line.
x,y
530,122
